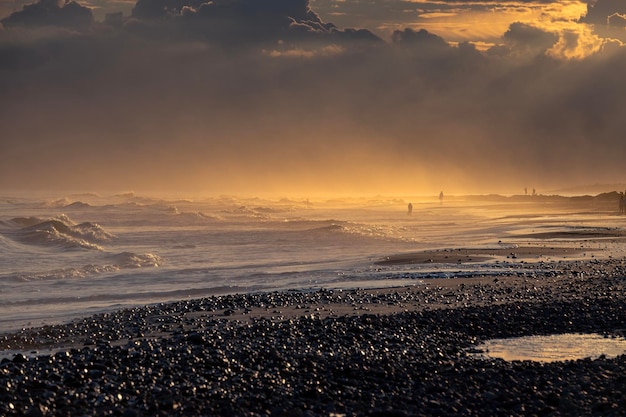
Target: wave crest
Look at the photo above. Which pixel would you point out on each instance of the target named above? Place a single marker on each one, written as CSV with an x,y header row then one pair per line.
x,y
368,231
133,260
329,228
60,232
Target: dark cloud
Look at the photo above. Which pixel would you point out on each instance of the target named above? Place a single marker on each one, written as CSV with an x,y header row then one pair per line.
x,y
115,19
421,38
156,9
249,10
601,12
219,21
608,18
249,20
617,19
522,38
239,21
525,34
302,107
60,13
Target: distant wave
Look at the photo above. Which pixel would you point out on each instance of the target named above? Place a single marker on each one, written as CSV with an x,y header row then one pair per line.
x,y
372,231
77,204
66,203
259,212
270,210
59,232
192,217
248,212
329,228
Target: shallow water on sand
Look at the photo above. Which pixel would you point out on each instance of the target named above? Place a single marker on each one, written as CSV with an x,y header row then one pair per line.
x,y
553,348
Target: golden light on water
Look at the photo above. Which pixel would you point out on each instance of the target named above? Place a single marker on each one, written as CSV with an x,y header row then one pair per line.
x,y
555,348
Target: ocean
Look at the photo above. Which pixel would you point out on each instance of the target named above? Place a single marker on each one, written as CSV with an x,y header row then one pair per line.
x,y
73,256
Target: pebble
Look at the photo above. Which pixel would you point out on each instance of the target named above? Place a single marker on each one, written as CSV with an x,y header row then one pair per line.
x,y
180,359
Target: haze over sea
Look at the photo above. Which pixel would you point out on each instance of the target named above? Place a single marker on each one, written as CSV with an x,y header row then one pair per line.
x,y
65,257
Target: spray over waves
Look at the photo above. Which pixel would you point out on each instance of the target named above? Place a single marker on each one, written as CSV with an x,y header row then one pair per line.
x,y
248,212
57,232
260,212
179,217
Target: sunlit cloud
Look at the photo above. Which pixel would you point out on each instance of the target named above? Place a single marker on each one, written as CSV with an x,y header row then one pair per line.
x,y
485,22
576,42
438,15
328,50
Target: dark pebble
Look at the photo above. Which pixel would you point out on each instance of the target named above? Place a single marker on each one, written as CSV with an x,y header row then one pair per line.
x,y
415,363
19,358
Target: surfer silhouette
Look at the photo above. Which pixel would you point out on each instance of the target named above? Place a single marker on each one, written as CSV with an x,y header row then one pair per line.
x,y
410,209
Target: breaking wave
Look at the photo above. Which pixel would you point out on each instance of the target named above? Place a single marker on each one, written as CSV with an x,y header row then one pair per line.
x,y
59,232
333,227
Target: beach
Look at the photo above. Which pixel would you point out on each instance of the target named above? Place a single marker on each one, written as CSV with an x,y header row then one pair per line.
x,y
130,306
303,208
401,351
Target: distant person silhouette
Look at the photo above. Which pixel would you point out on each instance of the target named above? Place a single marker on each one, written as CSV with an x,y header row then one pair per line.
x,y
622,204
441,197
410,209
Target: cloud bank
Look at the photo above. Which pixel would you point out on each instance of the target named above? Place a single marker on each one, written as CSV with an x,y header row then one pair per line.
x,y
51,13
244,96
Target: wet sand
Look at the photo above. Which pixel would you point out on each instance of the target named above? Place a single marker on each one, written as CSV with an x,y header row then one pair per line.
x,y
395,351
472,255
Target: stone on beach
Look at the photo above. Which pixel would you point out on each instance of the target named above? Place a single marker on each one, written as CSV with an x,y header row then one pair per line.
x,y
400,351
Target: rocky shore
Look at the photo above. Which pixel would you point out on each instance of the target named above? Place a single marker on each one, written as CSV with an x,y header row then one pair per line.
x,y
392,352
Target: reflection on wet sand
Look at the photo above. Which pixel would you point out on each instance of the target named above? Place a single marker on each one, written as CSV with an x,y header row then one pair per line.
x,y
466,255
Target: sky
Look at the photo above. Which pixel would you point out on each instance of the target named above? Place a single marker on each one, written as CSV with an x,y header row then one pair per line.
x,y
307,98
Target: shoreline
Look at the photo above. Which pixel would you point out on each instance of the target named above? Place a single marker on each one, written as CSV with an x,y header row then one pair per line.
x,y
392,351
538,272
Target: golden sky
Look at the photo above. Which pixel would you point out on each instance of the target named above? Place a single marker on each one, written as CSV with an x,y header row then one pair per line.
x,y
309,98
480,22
